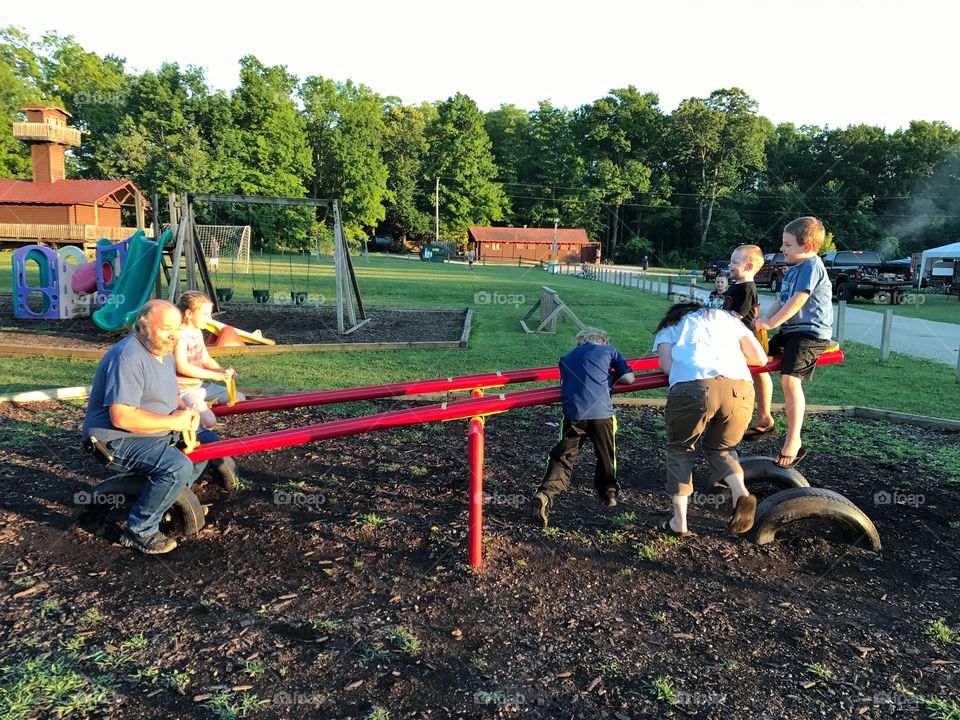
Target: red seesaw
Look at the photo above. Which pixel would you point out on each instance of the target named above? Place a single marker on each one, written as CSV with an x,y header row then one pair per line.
x,y
413,387
474,408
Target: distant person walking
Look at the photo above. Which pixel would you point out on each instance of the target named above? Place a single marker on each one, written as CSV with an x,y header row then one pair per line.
x,y
643,266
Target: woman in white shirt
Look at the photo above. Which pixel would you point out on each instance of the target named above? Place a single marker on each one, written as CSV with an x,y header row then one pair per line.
x,y
705,353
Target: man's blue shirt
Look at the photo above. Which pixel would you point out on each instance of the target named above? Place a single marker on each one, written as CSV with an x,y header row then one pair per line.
x,y
129,375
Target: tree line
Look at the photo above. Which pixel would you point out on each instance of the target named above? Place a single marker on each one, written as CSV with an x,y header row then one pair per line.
x,y
682,186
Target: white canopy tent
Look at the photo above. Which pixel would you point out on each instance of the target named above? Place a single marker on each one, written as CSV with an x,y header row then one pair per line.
x,y
929,257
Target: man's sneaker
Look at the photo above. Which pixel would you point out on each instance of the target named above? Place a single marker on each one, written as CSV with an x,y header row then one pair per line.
x,y
156,544
610,500
539,509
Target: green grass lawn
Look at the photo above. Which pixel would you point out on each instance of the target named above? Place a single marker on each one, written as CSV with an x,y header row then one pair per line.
x,y
500,296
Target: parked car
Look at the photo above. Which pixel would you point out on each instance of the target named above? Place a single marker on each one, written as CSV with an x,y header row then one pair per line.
x,y
772,271
718,268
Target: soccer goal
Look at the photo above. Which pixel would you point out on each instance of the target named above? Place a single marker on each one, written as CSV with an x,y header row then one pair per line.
x,y
226,247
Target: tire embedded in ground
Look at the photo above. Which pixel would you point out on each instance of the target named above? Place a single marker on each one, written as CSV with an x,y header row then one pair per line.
x,y
186,513
805,503
225,471
761,473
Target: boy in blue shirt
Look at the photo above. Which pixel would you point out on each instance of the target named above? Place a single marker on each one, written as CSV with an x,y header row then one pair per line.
x,y
586,375
804,312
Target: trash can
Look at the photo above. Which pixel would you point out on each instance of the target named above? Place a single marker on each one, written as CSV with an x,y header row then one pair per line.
x,y
433,253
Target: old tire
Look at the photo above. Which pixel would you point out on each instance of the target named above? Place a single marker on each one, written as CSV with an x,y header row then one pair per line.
x,y
798,504
759,470
224,471
186,513
844,292
763,476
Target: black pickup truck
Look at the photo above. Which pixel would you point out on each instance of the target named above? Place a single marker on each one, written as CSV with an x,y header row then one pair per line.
x,y
861,273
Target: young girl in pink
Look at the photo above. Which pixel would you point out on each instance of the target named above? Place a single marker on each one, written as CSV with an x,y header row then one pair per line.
x,y
194,364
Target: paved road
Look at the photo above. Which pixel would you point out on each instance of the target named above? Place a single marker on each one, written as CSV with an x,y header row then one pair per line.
x,y
937,341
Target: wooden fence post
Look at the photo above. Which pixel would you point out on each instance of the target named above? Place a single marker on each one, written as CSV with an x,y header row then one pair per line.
x,y
885,335
840,325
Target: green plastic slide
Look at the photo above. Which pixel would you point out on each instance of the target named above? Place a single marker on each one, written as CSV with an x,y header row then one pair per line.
x,y
135,282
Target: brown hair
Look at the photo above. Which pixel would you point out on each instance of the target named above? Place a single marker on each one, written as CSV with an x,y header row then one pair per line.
x,y
752,253
192,301
807,230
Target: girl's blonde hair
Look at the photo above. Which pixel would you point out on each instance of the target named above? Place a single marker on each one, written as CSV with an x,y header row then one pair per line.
x,y
192,300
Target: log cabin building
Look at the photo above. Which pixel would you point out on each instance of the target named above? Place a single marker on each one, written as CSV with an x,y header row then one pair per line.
x,y
509,244
53,210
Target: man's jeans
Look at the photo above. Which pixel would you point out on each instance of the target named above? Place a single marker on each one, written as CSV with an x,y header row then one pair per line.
x,y
169,471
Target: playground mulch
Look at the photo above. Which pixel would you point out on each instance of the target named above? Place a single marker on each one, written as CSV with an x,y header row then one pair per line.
x,y
287,324
355,596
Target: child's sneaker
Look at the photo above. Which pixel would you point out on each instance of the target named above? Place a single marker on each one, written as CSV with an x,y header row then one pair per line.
x,y
610,499
539,509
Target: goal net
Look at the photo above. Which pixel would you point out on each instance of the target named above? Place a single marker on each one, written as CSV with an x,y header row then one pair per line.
x,y
226,247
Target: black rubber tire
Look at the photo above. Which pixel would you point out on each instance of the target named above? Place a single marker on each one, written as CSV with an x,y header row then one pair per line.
x,y
759,469
844,292
774,283
186,512
789,506
224,471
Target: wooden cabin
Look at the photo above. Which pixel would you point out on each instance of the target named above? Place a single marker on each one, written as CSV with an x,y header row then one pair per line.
x,y
509,244
54,210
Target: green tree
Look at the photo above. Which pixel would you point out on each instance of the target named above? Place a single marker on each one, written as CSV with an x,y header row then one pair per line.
x,y
621,135
93,89
718,142
345,128
460,155
509,130
404,150
162,142
271,151
20,84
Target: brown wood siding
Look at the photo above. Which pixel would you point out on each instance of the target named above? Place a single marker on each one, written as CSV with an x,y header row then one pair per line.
x,y
512,252
36,214
48,164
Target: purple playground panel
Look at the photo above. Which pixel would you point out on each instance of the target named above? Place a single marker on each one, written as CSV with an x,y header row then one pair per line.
x,y
41,302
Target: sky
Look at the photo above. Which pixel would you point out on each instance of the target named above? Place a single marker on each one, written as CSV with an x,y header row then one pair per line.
x,y
820,63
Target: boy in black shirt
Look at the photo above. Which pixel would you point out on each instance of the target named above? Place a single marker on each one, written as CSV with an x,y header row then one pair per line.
x,y
742,299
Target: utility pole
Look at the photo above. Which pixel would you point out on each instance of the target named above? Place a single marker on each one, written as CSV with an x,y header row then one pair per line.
x,y
436,209
553,250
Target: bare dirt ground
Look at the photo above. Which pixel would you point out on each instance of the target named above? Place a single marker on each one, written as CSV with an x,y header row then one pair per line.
x,y
287,324
333,584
